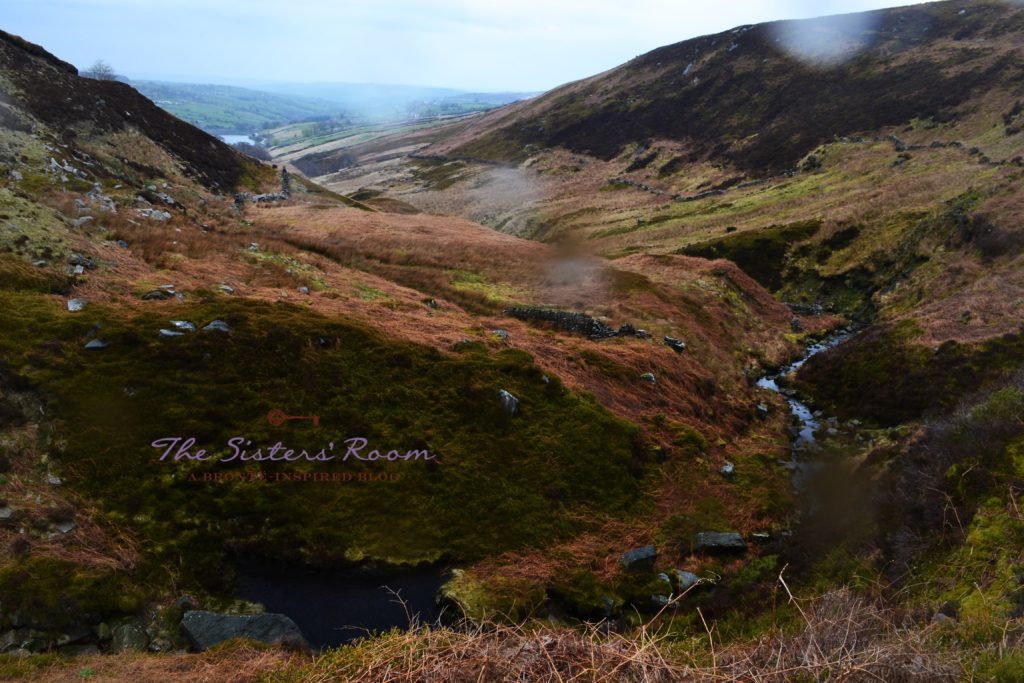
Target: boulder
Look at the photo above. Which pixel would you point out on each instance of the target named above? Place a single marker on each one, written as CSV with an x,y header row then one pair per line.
x,y
129,637
639,559
184,325
685,580
205,629
170,334
509,403
719,543
217,326
75,305
675,344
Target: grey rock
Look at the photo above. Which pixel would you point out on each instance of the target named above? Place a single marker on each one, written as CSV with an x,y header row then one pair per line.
x,y
156,215
675,344
501,334
75,305
206,629
184,325
649,377
53,480
75,635
122,244
941,619
39,263
642,334
65,527
13,639
639,559
227,289
685,580
6,512
253,246
170,334
96,344
76,270
762,410
76,259
157,295
303,290
509,403
728,470
217,326
129,637
719,543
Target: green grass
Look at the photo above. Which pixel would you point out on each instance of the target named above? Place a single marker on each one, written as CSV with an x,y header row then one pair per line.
x,y
486,493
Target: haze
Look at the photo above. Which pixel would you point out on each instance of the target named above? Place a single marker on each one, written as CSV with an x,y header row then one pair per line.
x,y
483,45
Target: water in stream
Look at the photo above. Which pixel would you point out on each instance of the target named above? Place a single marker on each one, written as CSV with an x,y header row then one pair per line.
x,y
332,608
807,424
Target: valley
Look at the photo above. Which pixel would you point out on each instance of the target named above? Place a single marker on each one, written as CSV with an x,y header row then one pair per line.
x,y
706,374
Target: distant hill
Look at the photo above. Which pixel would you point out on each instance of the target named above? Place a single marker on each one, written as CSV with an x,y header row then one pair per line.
x,y
225,109
760,98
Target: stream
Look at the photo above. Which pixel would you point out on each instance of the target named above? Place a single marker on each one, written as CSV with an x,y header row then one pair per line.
x,y
807,424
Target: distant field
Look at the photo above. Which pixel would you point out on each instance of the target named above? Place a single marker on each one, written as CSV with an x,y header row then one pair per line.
x,y
227,109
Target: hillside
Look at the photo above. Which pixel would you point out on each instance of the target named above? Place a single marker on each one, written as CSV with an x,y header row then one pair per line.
x,y
231,110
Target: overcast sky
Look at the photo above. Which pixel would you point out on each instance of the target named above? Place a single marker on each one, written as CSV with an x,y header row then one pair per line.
x,y
493,45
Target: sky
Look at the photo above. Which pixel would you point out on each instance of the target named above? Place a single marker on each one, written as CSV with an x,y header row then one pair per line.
x,y
478,45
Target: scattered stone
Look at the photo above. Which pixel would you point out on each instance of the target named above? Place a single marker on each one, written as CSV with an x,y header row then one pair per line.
x,y
53,480
217,326
796,325
76,259
65,527
97,344
75,305
129,637
184,325
40,263
685,580
253,246
227,289
6,513
675,344
649,377
728,470
509,403
719,542
642,334
760,536
122,244
157,295
75,635
763,410
941,619
155,215
170,334
501,334
84,220
76,270
206,629
431,303
639,559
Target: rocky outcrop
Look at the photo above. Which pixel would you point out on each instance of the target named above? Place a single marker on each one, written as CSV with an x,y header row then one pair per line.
x,y
206,629
577,323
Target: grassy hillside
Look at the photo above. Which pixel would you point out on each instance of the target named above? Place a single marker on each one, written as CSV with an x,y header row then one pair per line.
x,y
226,109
